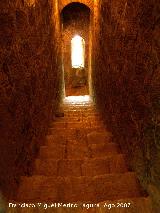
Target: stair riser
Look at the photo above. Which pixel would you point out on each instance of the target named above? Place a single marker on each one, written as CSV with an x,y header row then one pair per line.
x,y
56,153
81,114
77,152
73,131
80,168
65,124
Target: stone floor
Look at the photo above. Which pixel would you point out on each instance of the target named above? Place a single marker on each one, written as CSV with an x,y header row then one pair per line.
x,y
81,167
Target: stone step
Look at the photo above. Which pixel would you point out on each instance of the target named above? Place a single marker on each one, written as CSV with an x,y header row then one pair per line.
x,y
74,189
85,167
99,137
63,152
81,112
55,152
104,165
74,151
73,131
81,120
80,107
57,139
78,137
73,112
74,115
127,205
103,149
74,125
72,134
79,116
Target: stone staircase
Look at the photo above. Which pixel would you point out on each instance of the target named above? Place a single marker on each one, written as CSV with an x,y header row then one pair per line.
x,y
80,165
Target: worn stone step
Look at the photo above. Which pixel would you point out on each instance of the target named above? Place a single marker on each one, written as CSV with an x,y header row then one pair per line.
x,y
103,149
76,120
56,152
61,137
76,111
57,139
62,152
51,140
104,165
85,167
85,106
78,115
96,137
80,151
50,167
72,131
74,189
81,112
75,134
126,205
73,125
75,151
81,115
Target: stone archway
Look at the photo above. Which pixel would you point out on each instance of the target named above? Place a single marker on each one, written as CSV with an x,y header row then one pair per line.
x,y
75,21
63,4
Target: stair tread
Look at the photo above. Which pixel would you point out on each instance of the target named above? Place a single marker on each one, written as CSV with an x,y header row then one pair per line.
x,y
72,189
83,167
110,157
72,151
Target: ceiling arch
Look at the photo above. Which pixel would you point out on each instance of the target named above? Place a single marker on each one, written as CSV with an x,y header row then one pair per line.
x,y
64,3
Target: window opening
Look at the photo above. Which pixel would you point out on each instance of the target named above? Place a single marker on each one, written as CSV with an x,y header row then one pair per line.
x,y
78,51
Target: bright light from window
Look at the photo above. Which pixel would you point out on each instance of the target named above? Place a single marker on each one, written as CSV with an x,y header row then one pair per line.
x,y
78,49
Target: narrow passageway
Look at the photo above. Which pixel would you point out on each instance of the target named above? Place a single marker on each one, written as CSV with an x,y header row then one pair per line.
x,y
80,163
79,106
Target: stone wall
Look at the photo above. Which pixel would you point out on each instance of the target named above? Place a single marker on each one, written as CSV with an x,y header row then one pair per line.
x,y
95,47
30,83
126,83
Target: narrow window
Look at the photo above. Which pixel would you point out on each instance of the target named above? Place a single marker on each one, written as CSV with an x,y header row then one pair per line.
x,y
77,49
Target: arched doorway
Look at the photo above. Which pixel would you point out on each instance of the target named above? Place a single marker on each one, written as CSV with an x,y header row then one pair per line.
x,y
75,19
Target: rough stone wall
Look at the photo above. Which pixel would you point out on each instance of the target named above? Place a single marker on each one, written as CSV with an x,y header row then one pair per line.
x,y
76,20
95,47
126,82
30,83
